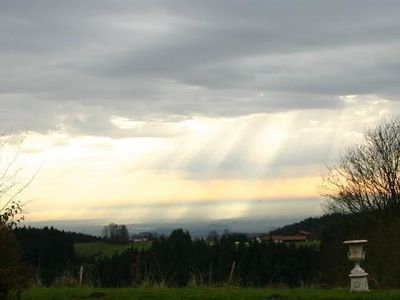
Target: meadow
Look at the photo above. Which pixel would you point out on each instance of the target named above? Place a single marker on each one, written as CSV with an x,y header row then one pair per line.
x,y
220,293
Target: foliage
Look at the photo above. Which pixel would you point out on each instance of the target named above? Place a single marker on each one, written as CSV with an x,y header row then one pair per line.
x,y
177,260
104,249
364,185
221,293
9,213
172,258
212,236
14,275
78,237
145,235
117,270
314,225
49,251
114,233
367,176
383,258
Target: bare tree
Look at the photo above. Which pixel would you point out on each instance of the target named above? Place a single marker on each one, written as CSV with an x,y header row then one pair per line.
x,y
14,275
367,176
11,184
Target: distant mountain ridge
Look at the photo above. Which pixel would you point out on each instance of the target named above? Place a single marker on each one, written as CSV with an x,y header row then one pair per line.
x,y
197,228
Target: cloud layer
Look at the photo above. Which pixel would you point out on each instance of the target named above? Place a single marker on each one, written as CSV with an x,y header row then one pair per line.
x,y
74,65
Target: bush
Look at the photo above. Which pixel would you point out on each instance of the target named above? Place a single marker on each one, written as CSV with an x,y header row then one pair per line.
x,y
14,275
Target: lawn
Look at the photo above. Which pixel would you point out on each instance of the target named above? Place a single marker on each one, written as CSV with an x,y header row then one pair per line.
x,y
101,248
224,293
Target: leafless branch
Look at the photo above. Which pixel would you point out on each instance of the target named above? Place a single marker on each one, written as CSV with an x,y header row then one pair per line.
x,y
367,176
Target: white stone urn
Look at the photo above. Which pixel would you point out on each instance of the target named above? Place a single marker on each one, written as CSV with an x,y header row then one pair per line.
x,y
358,277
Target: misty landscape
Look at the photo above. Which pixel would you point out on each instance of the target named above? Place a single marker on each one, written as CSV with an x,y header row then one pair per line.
x,y
188,150
197,228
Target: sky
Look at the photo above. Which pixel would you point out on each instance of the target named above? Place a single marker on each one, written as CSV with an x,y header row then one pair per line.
x,y
140,111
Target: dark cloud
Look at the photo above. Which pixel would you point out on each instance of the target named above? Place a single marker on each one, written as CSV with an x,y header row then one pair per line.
x,y
73,65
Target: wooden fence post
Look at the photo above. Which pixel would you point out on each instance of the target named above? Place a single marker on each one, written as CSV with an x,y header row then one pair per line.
x,y
80,275
232,270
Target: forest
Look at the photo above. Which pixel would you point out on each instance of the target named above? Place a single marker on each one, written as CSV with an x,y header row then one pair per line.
x,y
176,261
179,260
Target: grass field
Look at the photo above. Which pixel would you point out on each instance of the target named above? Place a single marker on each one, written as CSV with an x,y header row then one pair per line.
x,y
203,294
100,248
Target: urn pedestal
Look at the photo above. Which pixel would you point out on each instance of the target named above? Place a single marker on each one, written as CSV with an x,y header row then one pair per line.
x,y
358,277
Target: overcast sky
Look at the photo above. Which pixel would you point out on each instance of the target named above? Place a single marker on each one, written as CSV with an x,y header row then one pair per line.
x,y
191,109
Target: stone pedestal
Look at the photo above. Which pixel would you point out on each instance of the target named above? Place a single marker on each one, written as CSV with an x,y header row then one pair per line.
x,y
358,277
359,283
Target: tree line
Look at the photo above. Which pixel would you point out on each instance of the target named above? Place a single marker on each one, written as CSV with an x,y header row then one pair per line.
x,y
49,252
178,260
116,233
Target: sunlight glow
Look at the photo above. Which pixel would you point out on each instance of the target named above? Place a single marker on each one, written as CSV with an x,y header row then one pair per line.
x,y
223,166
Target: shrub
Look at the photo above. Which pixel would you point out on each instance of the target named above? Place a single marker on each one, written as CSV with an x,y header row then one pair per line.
x,y
14,275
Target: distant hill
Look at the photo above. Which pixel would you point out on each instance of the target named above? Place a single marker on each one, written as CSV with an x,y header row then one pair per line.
x,y
197,228
314,225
